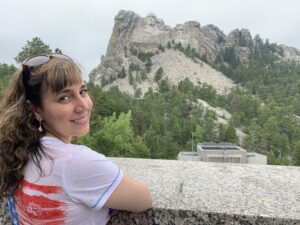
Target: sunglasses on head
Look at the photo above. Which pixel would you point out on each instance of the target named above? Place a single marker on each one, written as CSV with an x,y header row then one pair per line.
x,y
37,61
42,59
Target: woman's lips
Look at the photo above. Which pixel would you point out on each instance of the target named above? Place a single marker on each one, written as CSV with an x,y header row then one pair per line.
x,y
81,120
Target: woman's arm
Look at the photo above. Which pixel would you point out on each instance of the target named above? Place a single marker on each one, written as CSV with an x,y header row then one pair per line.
x,y
130,195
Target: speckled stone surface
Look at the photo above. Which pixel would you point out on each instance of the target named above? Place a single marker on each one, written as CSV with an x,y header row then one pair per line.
x,y
157,216
189,192
4,215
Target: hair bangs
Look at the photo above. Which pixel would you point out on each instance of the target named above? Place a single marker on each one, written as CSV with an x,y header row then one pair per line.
x,y
61,74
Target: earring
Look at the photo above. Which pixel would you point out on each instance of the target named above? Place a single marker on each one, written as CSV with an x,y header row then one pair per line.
x,y
40,127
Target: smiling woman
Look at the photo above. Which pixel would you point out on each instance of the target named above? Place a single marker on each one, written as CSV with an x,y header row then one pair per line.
x,y
65,114
45,177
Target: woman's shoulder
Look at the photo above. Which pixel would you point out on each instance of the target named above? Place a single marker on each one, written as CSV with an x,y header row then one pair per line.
x,y
54,146
86,152
84,161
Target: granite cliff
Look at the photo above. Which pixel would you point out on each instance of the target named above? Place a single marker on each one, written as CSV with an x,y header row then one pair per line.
x,y
140,46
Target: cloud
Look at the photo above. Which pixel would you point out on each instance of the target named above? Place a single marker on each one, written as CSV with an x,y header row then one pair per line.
x,y
82,28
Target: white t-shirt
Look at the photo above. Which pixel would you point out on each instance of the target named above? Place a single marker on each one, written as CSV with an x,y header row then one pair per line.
x,y
75,184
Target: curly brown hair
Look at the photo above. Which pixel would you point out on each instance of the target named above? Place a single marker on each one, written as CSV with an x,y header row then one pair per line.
x,y
19,133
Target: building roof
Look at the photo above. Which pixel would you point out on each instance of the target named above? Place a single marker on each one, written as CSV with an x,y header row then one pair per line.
x,y
218,146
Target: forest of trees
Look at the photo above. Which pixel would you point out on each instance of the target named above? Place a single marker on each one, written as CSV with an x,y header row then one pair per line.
x,y
5,72
266,107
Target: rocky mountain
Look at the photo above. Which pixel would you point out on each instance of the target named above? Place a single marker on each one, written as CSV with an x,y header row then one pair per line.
x,y
176,67
143,50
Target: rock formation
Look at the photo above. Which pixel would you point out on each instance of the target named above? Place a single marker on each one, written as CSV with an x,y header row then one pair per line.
x,y
133,35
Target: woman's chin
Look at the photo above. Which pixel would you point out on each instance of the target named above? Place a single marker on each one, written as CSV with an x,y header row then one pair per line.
x,y
82,133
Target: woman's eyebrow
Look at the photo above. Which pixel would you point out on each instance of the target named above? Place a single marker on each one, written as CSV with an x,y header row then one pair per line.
x,y
66,90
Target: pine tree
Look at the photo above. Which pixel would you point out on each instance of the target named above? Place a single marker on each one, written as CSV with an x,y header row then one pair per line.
x,y
34,47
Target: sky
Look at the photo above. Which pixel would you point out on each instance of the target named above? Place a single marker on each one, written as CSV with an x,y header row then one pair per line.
x,y
82,28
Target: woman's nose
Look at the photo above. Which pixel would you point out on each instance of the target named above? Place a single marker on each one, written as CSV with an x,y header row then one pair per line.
x,y
81,104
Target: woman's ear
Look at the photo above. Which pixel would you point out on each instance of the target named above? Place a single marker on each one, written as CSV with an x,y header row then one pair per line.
x,y
34,109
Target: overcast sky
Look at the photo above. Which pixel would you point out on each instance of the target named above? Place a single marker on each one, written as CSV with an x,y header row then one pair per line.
x,y
82,28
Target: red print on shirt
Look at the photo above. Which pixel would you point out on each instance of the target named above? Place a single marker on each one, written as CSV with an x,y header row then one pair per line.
x,y
33,204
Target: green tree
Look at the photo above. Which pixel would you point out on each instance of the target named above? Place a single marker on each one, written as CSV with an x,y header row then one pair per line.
x,y
271,135
6,70
148,65
5,73
231,134
188,51
186,86
58,51
198,134
131,79
158,74
254,140
122,73
209,128
206,92
143,75
134,67
138,93
140,148
230,57
297,153
34,47
116,137
221,132
164,86
153,141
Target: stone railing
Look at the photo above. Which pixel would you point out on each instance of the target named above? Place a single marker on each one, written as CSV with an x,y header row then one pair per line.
x,y
191,193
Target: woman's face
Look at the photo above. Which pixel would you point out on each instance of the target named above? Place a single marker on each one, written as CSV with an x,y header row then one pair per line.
x,y
66,114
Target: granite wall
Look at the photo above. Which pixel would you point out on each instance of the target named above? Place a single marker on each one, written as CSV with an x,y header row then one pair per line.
x,y
189,192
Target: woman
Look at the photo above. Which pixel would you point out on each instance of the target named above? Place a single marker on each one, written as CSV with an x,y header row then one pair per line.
x,y
48,179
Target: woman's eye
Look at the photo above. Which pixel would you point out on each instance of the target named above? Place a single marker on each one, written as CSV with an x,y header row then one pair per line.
x,y
64,98
83,92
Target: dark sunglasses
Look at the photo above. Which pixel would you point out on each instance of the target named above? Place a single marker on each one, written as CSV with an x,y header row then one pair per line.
x,y
37,61
42,59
